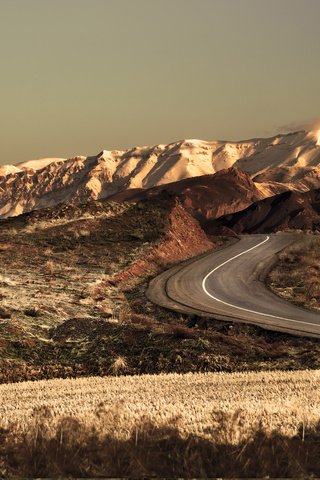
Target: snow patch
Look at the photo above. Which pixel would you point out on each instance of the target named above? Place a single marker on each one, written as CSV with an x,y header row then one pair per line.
x,y
39,164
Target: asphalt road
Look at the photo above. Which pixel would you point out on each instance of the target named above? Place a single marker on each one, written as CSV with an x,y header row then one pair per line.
x,y
228,285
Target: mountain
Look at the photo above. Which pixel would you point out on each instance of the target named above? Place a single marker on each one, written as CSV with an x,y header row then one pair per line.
x,y
296,178
286,211
48,182
30,165
208,196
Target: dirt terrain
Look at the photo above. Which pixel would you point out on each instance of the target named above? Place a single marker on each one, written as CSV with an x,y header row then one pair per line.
x,y
296,275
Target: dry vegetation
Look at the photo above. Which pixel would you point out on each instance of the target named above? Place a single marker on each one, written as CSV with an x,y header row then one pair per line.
x,y
296,276
244,425
73,303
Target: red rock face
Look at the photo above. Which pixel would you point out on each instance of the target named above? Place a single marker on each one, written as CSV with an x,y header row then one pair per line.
x,y
183,239
289,210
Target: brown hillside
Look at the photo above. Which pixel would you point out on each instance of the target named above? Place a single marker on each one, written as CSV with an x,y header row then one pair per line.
x,y
65,273
288,210
206,197
182,238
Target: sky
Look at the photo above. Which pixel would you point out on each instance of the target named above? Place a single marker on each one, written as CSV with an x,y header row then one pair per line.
x,y
79,76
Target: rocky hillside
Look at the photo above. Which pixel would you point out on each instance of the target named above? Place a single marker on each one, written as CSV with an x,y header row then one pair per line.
x,y
67,270
288,210
209,196
72,288
48,182
296,178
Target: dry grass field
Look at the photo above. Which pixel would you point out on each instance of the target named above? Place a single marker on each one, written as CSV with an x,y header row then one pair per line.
x,y
279,400
244,424
296,276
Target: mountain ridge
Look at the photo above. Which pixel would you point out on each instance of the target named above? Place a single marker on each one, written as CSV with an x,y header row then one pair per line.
x,y
24,187
283,212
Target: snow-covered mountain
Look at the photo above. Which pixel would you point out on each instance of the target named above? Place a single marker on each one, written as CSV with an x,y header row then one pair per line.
x,y
294,158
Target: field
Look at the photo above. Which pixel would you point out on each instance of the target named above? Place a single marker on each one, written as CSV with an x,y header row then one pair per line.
x,y
58,427
296,276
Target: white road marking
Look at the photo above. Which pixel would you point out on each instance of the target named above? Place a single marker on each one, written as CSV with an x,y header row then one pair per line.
x,y
241,308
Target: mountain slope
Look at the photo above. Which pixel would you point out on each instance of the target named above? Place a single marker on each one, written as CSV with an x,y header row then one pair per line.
x,y
47,182
296,178
65,271
209,196
288,210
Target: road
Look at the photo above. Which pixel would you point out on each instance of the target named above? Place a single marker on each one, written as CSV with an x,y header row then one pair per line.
x,y
228,285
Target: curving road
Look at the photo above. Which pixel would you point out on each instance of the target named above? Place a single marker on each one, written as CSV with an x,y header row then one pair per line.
x,y
228,285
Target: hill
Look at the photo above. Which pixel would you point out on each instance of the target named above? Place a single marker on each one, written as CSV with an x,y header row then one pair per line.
x,y
208,196
288,210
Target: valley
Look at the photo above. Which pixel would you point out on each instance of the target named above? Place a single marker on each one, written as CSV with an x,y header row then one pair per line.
x,y
82,243
159,239
73,297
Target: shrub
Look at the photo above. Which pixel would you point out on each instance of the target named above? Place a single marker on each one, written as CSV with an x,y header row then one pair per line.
x,y
50,267
182,332
119,365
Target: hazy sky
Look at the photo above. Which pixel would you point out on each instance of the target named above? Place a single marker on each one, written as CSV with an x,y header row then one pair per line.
x,y
78,76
